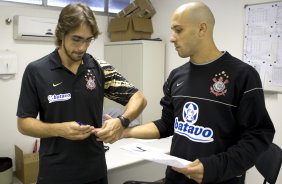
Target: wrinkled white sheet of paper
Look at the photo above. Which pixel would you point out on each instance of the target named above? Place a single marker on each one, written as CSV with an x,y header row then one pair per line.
x,y
155,155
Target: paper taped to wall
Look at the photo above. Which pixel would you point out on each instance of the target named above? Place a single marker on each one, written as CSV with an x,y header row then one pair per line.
x,y
155,155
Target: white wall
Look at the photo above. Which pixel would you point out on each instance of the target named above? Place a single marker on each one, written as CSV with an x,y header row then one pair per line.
x,y
27,51
229,15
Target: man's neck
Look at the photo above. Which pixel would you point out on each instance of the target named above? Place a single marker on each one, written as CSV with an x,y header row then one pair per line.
x,y
69,63
206,57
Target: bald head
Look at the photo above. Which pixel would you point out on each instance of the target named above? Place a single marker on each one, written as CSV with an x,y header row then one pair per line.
x,y
196,13
192,32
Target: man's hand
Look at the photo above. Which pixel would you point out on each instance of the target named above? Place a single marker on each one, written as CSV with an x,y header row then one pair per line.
x,y
194,171
111,130
74,131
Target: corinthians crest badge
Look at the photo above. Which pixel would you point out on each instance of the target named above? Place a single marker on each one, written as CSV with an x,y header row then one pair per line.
x,y
90,81
219,87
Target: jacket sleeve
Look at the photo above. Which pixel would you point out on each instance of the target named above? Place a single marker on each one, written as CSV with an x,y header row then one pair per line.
x,y
117,88
165,126
28,104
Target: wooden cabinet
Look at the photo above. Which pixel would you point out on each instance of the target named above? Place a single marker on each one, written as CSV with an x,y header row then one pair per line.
x,y
142,62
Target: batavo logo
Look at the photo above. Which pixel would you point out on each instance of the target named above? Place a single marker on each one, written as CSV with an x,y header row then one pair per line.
x,y
188,129
59,97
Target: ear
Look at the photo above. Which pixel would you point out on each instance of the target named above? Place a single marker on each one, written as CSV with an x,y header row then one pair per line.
x,y
203,29
62,37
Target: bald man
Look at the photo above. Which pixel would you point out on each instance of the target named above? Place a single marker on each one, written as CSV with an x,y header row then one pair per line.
x,y
213,106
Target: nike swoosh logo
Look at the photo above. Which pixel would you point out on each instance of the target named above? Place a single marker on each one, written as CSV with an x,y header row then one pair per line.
x,y
57,84
180,83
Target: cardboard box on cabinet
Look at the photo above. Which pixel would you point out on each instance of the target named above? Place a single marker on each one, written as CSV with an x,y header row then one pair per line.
x,y
133,22
139,8
128,28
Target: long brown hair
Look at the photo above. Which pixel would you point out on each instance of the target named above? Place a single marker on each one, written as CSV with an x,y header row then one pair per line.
x,y
71,17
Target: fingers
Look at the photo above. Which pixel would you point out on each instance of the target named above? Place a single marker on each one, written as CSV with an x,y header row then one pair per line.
x,y
195,163
110,132
106,135
84,128
85,131
107,116
194,171
76,131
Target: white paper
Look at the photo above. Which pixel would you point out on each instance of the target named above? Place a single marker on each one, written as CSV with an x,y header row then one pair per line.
x,y
263,41
155,155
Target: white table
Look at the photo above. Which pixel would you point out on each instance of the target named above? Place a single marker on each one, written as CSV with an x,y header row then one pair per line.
x,y
123,166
